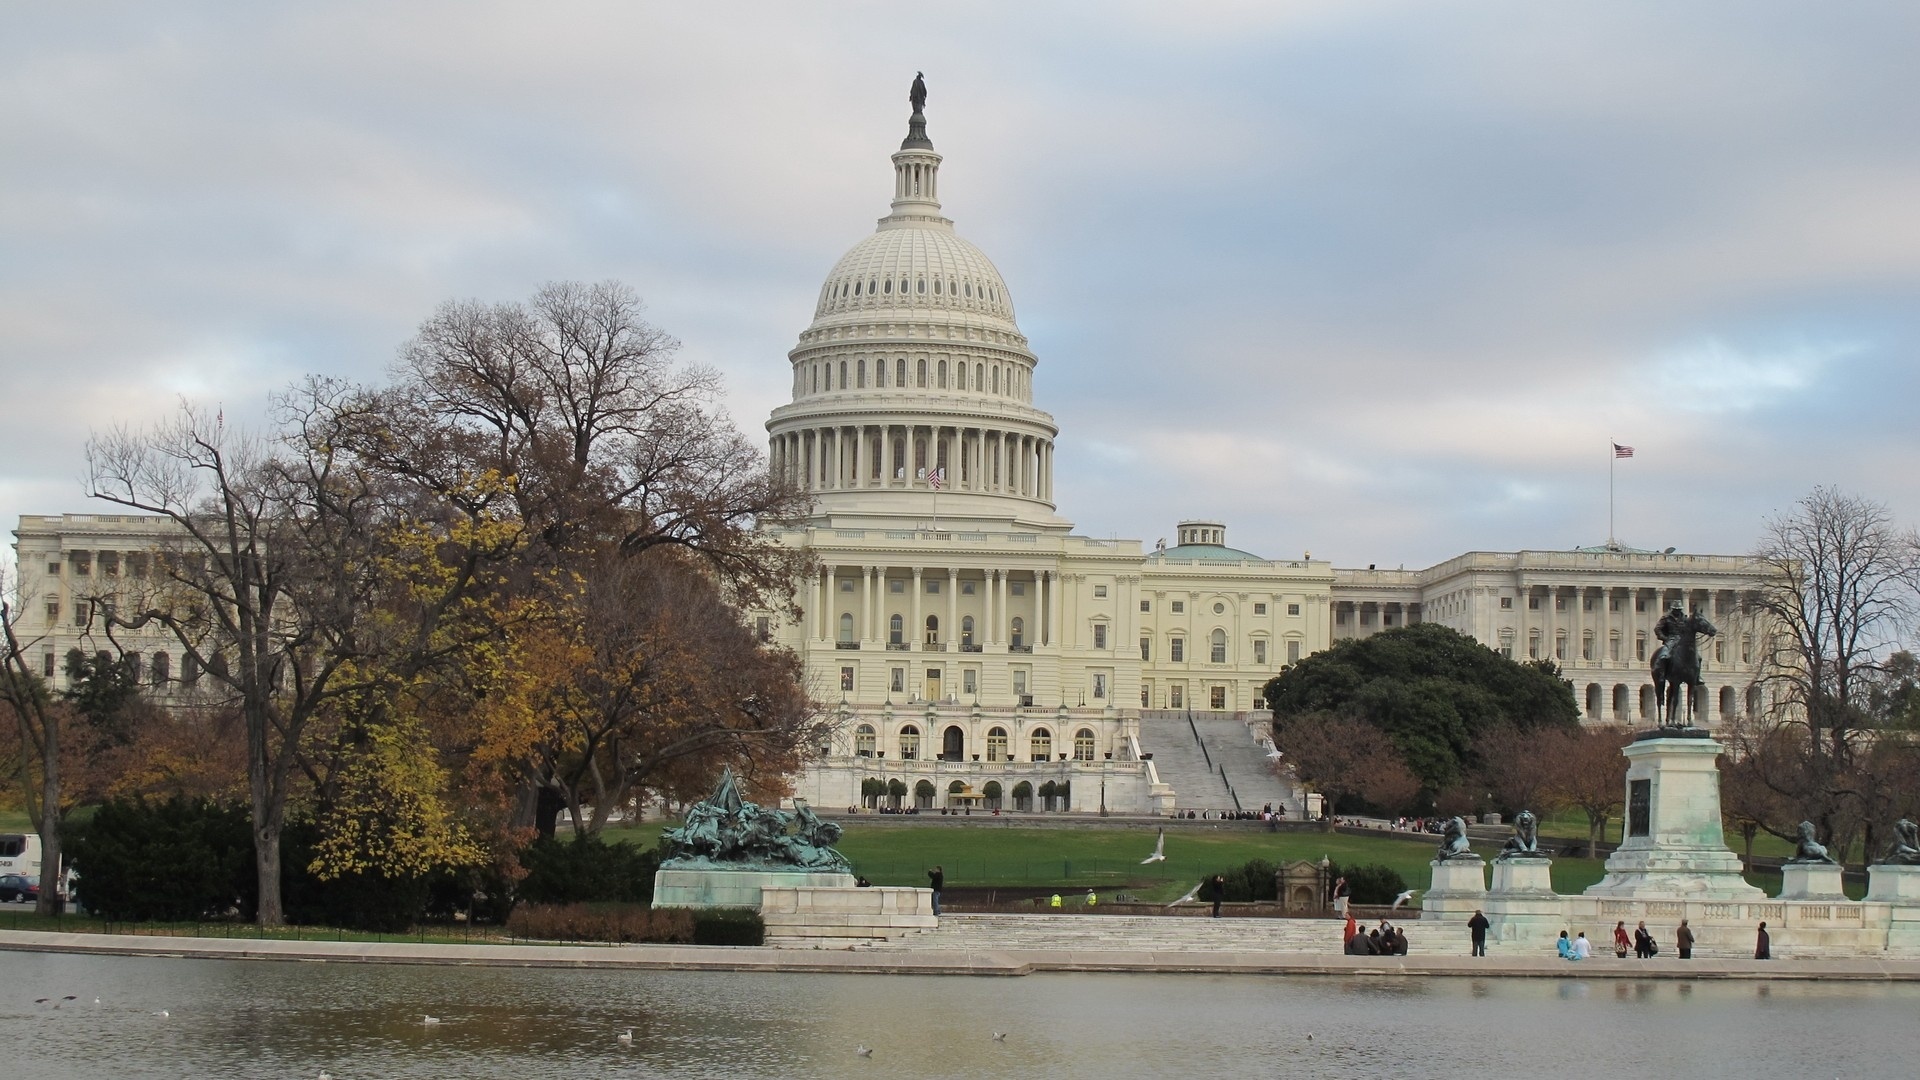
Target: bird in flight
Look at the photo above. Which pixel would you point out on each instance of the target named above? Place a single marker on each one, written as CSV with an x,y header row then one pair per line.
x,y
999,1036
1403,898
1159,850
863,1050
1191,893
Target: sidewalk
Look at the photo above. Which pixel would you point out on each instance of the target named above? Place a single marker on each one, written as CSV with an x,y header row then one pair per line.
x,y
955,962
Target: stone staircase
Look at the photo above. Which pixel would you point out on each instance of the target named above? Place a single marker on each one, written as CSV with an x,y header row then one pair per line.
x,y
1191,754
1193,932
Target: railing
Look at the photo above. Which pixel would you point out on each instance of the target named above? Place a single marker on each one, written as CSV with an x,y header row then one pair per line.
x,y
852,645
1020,649
972,648
896,646
934,646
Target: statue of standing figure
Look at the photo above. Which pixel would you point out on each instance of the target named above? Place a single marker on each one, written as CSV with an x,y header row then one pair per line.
x,y
918,95
1676,664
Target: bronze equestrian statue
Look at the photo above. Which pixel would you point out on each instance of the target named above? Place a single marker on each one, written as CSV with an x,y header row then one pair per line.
x,y
1676,665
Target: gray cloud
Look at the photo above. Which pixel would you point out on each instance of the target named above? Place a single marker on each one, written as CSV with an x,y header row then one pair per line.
x,y
1375,280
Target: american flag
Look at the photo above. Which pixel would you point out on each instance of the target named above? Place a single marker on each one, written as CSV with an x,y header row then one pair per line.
x,y
937,479
1622,451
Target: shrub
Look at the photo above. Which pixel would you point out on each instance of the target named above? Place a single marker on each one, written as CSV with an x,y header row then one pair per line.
x,y
728,926
178,861
623,923
1254,881
1370,884
586,870
352,901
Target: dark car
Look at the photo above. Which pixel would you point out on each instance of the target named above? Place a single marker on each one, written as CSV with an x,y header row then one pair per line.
x,y
17,887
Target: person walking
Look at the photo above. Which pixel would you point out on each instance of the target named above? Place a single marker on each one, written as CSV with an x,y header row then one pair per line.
x,y
1340,893
1477,926
1620,939
1683,940
936,880
1763,948
1218,890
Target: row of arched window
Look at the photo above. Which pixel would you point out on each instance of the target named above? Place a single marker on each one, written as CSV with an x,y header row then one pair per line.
x,y
841,293
897,630
953,744
977,376
1051,794
155,669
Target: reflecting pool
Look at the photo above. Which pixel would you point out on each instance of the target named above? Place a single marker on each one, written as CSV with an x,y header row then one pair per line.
x,y
232,1018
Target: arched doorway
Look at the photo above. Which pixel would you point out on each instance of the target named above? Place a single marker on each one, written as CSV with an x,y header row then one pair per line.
x,y
1023,796
953,744
923,795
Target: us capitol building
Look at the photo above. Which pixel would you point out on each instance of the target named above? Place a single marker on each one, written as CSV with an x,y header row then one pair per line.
x,y
973,650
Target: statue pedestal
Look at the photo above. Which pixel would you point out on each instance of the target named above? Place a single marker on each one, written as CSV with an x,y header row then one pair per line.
x,y
1899,887
1459,888
1522,906
1811,881
711,887
1676,847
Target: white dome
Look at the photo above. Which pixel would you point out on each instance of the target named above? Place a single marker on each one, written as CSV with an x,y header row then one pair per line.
x,y
916,266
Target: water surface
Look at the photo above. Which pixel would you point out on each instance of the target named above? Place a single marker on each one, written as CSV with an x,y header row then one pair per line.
x,y
237,1018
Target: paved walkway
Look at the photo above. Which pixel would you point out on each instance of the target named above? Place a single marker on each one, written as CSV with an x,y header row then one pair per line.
x,y
962,961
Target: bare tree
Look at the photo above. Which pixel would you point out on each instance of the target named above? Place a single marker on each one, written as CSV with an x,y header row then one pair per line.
x,y
1590,772
39,720
1519,767
1838,592
1339,756
264,581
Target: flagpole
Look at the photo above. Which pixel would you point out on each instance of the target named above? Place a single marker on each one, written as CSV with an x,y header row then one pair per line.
x,y
1613,456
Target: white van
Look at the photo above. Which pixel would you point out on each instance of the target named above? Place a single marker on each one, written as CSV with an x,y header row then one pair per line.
x,y
20,854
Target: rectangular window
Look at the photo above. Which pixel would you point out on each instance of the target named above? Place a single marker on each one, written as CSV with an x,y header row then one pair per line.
x,y
1146,649
1639,603
1586,604
1099,687
1533,648
933,585
1533,603
1506,651
1177,650
1559,603
79,613
53,611
53,569
1586,648
966,588
1640,648
1293,652
846,585
1179,606
1100,592
82,563
1260,651
1259,609
1020,684
763,626
1219,698
1176,696
1639,807
1018,588
46,664
1559,648
1613,648
1293,609
1146,605
1613,603
1146,696
1506,603
1099,635
969,681
846,679
899,683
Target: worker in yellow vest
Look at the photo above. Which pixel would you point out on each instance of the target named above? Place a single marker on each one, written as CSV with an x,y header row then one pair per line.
x,y
1055,902
1092,899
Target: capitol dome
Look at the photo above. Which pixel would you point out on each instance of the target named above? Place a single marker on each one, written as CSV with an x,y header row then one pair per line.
x,y
913,386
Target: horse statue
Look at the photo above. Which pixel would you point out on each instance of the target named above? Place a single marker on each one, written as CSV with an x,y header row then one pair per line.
x,y
1676,665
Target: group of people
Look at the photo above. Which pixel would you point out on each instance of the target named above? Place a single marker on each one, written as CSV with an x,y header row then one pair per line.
x,y
1641,941
1383,940
1268,813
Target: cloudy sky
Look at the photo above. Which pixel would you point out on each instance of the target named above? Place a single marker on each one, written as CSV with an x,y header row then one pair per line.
x,y
1375,280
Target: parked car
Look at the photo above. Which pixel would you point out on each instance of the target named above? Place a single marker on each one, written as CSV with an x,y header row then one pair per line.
x,y
19,887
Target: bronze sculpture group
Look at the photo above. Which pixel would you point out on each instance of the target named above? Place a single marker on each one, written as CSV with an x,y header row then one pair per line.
x,y
726,832
1676,665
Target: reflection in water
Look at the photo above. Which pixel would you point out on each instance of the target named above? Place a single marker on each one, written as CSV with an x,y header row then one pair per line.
x,y
261,1019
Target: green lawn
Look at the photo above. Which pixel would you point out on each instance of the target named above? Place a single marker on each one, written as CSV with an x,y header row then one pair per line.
x,y
1572,825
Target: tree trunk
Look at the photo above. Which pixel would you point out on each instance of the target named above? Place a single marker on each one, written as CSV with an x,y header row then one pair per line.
x,y
50,902
270,910
546,812
266,864
1596,832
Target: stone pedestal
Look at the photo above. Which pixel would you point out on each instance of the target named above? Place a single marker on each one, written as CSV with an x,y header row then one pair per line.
x,y
804,917
1676,846
1811,881
707,887
1522,906
1898,887
1459,888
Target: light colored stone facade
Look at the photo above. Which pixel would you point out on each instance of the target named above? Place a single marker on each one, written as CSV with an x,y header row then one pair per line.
x,y
1590,610
70,563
